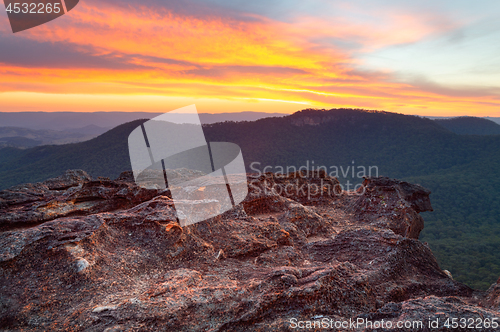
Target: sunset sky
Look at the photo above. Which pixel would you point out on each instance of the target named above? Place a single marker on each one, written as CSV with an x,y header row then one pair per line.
x,y
439,58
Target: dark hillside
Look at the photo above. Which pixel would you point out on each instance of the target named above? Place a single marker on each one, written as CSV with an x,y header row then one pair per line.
x,y
468,125
462,171
105,155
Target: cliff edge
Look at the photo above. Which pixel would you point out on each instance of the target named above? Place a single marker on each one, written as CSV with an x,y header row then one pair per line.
x,y
82,254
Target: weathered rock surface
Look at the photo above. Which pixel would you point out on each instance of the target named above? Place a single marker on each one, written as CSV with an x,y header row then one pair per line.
x,y
71,194
123,263
492,298
392,204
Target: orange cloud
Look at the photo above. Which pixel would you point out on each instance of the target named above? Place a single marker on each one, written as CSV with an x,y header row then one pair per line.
x,y
228,62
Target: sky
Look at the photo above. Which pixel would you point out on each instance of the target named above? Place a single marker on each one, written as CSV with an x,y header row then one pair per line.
x,y
433,58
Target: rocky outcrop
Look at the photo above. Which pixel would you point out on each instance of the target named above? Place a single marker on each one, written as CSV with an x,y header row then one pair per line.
x,y
124,263
492,298
71,194
392,204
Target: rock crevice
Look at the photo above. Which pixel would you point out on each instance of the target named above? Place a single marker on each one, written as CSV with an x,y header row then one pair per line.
x,y
99,255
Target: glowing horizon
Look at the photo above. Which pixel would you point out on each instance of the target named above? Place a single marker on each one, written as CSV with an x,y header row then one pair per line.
x,y
128,56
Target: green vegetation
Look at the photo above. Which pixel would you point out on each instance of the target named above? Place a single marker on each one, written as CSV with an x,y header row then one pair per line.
x,y
464,229
468,125
462,171
106,155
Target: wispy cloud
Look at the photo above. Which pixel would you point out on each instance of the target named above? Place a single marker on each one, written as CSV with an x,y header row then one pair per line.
x,y
315,52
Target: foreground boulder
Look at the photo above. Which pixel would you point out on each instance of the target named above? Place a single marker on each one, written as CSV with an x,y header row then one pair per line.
x,y
124,263
71,194
392,204
492,298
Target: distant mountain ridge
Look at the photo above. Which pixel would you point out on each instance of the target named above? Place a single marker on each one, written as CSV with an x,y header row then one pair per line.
x,y
77,120
330,137
468,125
103,155
26,138
462,171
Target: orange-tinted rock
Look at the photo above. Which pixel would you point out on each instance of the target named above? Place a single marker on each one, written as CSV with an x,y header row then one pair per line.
x,y
124,263
72,194
393,204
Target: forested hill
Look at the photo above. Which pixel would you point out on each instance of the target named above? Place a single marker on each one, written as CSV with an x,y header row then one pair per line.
x,y
105,155
463,171
399,145
469,125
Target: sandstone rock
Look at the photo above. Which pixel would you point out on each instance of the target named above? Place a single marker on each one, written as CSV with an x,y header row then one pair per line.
x,y
124,263
81,265
262,198
72,194
393,204
492,297
429,313
104,308
305,187
306,220
71,178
